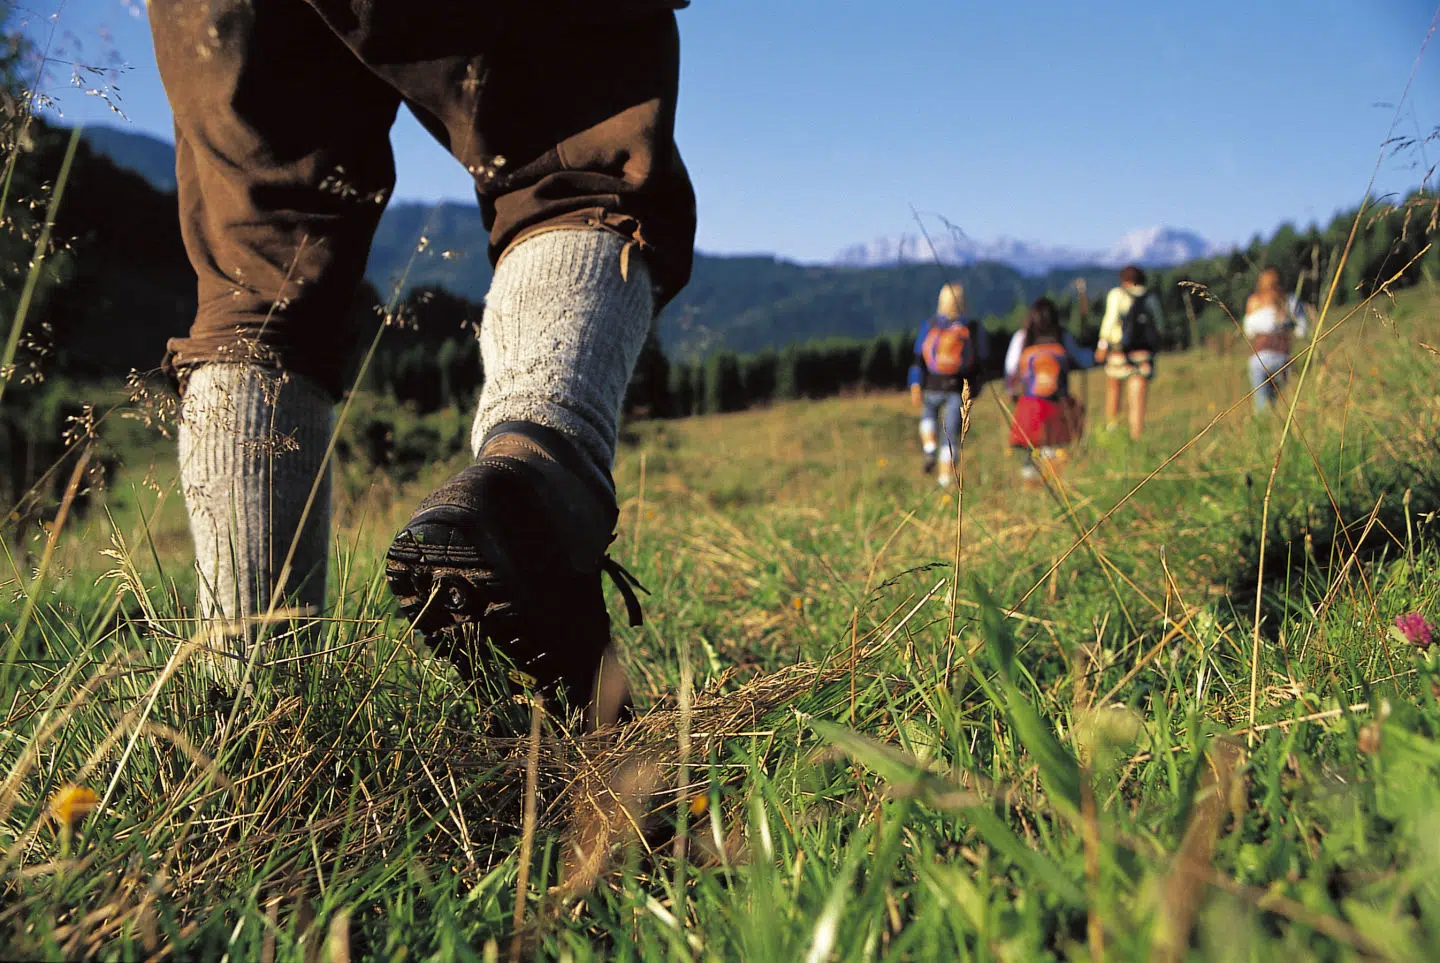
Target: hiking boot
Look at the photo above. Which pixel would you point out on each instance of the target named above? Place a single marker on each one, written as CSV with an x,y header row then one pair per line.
x,y
929,464
500,569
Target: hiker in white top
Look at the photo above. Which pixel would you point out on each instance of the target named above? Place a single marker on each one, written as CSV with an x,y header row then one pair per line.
x,y
1272,322
1129,337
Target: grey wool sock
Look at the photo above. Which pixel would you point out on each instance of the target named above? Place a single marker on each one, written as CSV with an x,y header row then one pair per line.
x,y
562,330
251,442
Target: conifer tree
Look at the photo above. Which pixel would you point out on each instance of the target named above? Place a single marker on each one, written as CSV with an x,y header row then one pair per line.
x,y
877,368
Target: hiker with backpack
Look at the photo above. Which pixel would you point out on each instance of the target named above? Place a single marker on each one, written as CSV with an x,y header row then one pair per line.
x,y
1129,339
1046,417
1272,322
564,115
949,351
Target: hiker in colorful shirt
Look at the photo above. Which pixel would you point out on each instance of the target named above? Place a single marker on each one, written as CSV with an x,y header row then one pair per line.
x,y
949,351
564,115
1129,338
1037,369
1272,322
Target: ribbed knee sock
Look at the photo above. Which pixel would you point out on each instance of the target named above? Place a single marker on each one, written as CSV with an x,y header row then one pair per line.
x,y
251,443
561,333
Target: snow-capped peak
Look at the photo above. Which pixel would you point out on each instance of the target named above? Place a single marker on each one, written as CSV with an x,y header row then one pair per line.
x,y
1151,247
1159,247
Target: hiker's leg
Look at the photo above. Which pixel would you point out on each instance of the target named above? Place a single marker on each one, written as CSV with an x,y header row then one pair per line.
x,y
1072,413
930,402
567,123
954,434
1279,374
283,163
251,441
1137,391
950,436
1113,388
1024,462
563,327
1259,382
565,116
1266,376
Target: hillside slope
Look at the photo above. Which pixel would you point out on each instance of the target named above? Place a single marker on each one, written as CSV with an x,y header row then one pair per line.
x,y
861,742
127,287
743,303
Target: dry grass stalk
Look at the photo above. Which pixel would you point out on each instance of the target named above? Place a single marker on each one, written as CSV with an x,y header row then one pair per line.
x,y
1222,792
527,838
1090,836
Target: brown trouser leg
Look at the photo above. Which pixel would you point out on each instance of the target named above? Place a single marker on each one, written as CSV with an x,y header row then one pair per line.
x,y
563,111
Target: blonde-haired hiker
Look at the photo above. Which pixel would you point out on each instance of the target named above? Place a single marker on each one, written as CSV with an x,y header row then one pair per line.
x,y
1129,338
949,350
1272,322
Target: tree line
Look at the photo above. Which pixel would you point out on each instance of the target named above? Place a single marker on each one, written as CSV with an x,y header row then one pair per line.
x,y
115,284
430,358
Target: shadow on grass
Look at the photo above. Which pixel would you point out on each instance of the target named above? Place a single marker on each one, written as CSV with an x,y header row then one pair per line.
x,y
1383,511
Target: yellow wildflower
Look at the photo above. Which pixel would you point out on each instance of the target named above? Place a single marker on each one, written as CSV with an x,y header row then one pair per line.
x,y
71,804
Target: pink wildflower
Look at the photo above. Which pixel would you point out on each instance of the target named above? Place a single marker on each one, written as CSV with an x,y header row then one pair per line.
x,y
1416,630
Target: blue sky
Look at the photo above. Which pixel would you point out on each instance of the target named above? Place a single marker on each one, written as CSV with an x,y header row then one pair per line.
x,y
809,125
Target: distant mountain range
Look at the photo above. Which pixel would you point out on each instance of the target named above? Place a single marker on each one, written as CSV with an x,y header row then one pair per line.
x,y
1148,247
127,287
744,303
154,159
150,157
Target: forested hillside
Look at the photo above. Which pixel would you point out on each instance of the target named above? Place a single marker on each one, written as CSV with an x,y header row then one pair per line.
x,y
119,285
747,331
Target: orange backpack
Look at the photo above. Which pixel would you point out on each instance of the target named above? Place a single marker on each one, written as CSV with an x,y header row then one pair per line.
x,y
1043,370
948,349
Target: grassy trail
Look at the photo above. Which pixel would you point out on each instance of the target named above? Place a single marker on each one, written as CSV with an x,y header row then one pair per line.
x,y
1051,752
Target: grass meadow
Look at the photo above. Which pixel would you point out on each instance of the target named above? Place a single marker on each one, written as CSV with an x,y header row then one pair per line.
x,y
1156,709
